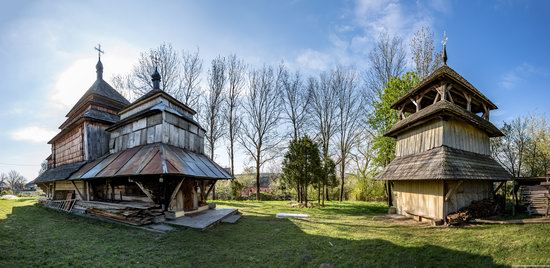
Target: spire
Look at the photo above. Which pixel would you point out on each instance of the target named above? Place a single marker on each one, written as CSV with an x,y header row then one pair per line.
x,y
444,43
99,65
155,77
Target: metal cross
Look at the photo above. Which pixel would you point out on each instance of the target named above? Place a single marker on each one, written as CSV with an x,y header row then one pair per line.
x,y
99,51
444,41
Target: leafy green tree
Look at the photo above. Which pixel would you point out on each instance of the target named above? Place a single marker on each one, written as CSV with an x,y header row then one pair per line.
x,y
302,166
384,117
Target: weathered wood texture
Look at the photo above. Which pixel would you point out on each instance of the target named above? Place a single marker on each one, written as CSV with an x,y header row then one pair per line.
x,y
467,192
423,199
96,140
69,186
69,148
151,103
163,127
420,139
452,133
460,135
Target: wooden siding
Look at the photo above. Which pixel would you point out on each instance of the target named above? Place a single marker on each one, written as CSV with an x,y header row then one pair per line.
x,y
452,133
460,135
420,139
69,186
96,141
468,191
421,198
69,148
152,103
165,127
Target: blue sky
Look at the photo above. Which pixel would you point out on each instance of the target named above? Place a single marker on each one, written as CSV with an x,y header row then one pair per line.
x,y
46,49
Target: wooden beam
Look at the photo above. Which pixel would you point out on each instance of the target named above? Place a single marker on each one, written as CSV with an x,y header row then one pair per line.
x,y
468,101
436,97
448,89
486,112
175,193
78,191
453,190
210,188
498,187
145,191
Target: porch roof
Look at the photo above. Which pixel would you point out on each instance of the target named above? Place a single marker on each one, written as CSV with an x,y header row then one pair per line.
x,y
152,159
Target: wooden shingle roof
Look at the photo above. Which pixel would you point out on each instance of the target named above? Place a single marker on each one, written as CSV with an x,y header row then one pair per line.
x,y
442,108
59,173
445,163
444,72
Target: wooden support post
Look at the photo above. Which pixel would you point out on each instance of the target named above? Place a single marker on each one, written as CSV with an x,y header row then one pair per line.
x,y
468,101
498,187
436,97
448,89
175,193
78,191
145,191
210,189
401,114
486,112
453,190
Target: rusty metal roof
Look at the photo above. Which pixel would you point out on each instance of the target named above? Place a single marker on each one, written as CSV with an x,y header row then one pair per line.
x,y
152,159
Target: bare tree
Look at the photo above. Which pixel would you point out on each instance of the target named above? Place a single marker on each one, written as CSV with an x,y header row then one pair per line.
x,y
3,178
123,84
510,149
344,82
188,91
15,180
235,80
387,60
168,62
259,136
213,104
296,98
324,115
424,57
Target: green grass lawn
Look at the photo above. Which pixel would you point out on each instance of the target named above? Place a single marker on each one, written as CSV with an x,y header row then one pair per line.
x,y
343,234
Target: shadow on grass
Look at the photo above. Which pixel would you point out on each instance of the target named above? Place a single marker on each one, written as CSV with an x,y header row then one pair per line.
x,y
36,236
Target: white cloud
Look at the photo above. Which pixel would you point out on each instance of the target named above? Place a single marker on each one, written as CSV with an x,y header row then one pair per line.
x,y
73,82
33,134
313,60
519,74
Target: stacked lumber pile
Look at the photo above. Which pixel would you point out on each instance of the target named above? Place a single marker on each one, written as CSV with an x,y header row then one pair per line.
x,y
133,216
131,213
535,199
478,209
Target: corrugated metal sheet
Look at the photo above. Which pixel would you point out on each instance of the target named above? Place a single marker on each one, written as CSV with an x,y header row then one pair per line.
x,y
153,159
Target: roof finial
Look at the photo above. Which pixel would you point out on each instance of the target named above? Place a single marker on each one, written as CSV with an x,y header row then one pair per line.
x,y
444,43
99,65
155,77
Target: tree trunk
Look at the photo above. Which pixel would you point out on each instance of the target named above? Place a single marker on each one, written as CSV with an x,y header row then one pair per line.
x,y
298,194
305,194
323,201
327,194
342,174
257,180
319,192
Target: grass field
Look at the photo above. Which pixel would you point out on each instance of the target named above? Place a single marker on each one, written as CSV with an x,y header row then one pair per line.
x,y
343,234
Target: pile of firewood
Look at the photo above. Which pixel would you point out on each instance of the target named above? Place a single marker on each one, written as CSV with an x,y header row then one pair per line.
x,y
132,216
478,209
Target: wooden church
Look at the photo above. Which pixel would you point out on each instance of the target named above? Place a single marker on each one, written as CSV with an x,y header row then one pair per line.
x,y
443,155
148,153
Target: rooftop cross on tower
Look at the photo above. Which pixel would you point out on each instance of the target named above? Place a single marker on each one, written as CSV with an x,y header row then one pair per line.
x,y
99,65
444,43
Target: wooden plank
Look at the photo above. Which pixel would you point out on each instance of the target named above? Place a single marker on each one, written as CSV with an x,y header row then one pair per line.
x,y
175,192
145,191
77,190
452,190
